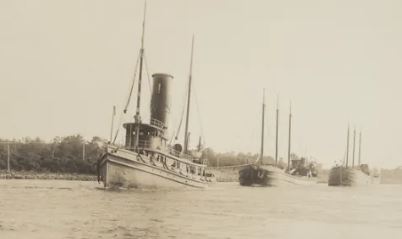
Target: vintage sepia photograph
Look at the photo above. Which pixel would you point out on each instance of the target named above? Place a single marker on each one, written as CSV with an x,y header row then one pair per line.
x,y
226,119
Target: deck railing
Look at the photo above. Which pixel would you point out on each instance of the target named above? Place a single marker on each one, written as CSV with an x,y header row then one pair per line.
x,y
181,155
158,123
146,144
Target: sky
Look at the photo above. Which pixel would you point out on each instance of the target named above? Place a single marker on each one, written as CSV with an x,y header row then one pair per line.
x,y
64,64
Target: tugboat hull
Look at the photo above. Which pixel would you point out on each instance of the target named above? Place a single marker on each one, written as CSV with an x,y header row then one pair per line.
x,y
120,169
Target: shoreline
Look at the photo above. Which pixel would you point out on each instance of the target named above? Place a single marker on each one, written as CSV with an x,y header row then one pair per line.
x,y
46,176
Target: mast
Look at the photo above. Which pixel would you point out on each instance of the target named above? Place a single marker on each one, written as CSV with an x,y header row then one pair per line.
x,y
354,146
347,148
290,134
262,127
199,144
186,135
360,146
277,129
8,157
83,151
137,116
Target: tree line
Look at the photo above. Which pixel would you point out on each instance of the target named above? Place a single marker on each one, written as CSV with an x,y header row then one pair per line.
x,y
71,154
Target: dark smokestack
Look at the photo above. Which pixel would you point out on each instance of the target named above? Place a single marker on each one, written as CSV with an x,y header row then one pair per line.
x,y
160,102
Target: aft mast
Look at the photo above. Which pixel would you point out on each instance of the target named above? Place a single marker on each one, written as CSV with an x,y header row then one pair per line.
x,y
186,133
354,145
290,134
347,149
262,127
137,116
360,147
277,131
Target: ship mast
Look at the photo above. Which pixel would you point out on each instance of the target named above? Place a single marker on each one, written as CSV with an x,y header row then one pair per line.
x,y
137,116
262,127
277,129
290,135
347,148
360,146
354,146
186,134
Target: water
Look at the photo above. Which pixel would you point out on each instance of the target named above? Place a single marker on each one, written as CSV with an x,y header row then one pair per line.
x,y
71,209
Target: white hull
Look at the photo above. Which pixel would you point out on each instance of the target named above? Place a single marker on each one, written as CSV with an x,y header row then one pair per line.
x,y
278,177
124,169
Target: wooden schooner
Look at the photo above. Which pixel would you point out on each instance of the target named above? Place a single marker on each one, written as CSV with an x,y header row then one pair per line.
x,y
360,174
298,171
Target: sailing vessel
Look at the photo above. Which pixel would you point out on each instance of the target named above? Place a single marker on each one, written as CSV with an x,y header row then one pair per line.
x,y
147,160
343,175
254,174
298,171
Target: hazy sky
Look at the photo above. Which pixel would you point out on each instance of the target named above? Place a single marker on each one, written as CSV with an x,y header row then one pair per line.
x,y
65,63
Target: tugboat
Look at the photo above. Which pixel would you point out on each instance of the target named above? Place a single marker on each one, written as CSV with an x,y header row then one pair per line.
x,y
146,160
298,172
343,175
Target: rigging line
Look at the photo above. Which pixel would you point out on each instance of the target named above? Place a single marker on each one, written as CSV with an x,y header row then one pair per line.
x,y
132,85
253,135
182,117
344,158
171,138
147,70
181,122
118,128
128,99
198,113
182,112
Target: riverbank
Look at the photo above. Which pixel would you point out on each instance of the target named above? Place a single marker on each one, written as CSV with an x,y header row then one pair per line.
x,y
46,176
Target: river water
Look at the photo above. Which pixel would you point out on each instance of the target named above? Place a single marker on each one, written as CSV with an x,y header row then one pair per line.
x,y
72,209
